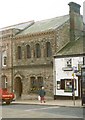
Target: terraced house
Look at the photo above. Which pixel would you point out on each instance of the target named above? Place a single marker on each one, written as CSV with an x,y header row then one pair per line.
x,y
27,51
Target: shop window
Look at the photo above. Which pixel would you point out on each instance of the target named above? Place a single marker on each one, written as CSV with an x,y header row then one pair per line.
x,y
68,85
62,84
28,51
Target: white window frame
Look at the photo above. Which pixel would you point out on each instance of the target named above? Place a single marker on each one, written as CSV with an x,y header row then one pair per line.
x,y
6,82
68,62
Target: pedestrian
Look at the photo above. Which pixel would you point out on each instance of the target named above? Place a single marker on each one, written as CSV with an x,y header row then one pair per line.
x,y
42,94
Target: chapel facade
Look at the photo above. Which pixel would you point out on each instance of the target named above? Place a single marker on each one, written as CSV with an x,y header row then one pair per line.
x,y
27,51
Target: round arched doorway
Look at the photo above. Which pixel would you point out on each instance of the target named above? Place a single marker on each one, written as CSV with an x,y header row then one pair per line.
x,y
18,87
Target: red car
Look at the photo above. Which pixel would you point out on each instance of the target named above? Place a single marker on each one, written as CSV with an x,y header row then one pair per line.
x,y
5,96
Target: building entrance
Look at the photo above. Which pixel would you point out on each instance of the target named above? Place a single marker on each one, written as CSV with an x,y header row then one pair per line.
x,y
18,87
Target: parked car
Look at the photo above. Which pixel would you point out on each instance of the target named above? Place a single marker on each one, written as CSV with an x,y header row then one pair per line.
x,y
6,96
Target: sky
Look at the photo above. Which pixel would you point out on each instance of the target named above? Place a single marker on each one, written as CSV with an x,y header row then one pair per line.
x,y
18,11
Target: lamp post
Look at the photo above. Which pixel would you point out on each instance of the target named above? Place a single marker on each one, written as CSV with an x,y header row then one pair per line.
x,y
73,89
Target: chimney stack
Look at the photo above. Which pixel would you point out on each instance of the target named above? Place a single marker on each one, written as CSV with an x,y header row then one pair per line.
x,y
75,20
74,7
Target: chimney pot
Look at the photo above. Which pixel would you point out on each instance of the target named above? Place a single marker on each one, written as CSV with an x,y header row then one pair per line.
x,y
74,7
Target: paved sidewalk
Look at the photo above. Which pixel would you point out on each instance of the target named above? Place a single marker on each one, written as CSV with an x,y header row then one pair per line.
x,y
69,103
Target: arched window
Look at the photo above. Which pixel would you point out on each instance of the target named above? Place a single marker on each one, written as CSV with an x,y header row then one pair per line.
x,y
36,83
28,51
4,58
39,82
38,51
33,83
19,52
48,50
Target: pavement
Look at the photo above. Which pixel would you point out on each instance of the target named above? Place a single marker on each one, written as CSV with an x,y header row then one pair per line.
x,y
65,103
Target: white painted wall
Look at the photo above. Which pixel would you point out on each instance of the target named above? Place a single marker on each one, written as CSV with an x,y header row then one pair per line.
x,y
59,63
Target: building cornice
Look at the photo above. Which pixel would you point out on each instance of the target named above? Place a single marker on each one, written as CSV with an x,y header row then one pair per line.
x,y
34,34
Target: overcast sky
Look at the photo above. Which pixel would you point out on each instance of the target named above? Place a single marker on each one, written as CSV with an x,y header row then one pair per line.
x,y
18,11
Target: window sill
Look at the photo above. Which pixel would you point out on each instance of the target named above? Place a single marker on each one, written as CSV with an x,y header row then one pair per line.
x,y
67,68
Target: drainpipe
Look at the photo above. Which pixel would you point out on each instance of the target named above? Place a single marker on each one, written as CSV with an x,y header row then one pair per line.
x,y
54,78
12,62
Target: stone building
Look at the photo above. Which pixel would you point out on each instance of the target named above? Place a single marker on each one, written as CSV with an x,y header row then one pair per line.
x,y
27,51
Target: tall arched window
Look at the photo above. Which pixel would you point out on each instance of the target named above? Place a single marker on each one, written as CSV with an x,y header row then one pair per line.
x,y
19,52
4,58
28,51
48,49
38,51
36,84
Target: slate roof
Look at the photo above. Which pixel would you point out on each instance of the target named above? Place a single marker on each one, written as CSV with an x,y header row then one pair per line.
x,y
76,47
45,25
20,26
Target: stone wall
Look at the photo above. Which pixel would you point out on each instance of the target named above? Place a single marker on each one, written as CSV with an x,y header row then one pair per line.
x,y
6,71
42,66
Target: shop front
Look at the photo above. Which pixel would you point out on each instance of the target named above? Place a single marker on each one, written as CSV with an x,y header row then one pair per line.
x,y
67,77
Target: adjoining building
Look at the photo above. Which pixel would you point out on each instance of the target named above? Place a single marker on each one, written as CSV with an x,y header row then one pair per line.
x,y
28,50
67,64
67,69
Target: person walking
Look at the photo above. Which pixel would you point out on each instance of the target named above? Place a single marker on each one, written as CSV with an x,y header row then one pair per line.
x,y
42,94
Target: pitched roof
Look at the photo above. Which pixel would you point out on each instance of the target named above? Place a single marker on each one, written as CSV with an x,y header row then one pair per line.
x,y
14,29
45,25
20,26
76,47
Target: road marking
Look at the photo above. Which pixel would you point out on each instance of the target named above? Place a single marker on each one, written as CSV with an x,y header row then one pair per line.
x,y
41,108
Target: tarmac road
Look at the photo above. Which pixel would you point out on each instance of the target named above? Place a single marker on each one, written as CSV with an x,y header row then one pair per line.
x,y
40,111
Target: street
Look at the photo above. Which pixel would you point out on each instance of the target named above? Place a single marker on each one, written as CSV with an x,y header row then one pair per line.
x,y
40,111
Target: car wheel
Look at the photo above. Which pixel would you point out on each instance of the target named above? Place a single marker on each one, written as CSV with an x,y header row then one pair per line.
x,y
8,102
